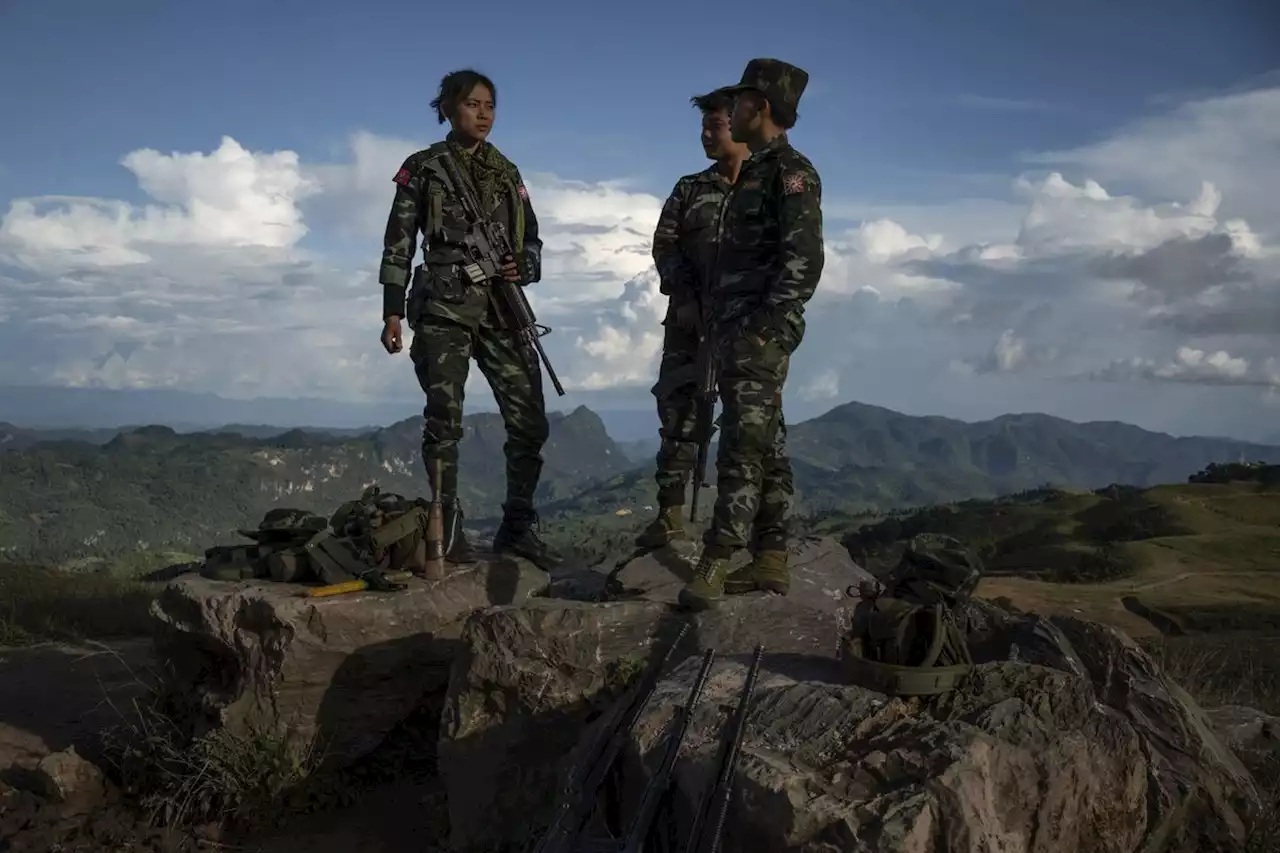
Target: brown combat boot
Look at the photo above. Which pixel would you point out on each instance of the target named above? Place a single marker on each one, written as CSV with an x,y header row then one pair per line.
x,y
667,527
707,587
767,572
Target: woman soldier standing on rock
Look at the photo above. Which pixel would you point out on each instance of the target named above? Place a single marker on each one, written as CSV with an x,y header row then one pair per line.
x,y
453,317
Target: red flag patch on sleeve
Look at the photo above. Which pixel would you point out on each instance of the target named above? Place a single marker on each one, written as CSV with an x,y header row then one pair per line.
x,y
793,183
524,193
402,177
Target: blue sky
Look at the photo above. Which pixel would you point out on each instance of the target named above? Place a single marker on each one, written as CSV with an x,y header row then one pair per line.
x,y
1030,206
907,98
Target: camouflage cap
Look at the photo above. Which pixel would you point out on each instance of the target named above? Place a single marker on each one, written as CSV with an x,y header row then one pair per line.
x,y
284,522
781,82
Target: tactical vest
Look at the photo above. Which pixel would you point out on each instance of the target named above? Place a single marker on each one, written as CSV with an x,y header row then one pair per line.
x,y
906,640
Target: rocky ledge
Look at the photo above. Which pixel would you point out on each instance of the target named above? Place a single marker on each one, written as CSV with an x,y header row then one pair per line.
x,y
1067,736
333,673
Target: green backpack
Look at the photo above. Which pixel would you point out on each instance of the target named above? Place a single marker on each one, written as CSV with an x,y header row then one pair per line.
x,y
387,532
905,640
378,532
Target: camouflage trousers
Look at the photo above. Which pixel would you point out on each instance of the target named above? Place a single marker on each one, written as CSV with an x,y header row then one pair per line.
x,y
753,472
441,352
674,391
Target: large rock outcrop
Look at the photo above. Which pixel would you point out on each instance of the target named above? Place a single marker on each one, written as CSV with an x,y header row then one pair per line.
x,y
1066,737
1088,748
337,672
529,678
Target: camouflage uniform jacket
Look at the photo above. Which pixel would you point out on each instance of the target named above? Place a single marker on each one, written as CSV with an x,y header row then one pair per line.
x,y
423,203
684,243
770,253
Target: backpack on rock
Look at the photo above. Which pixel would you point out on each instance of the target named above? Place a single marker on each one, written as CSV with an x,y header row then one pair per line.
x,y
377,533
905,640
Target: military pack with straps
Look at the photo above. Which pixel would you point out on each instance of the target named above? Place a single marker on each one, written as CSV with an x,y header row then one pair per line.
x,y
907,639
281,530
380,532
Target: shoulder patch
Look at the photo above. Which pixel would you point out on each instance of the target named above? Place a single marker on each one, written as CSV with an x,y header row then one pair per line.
x,y
793,183
402,177
522,192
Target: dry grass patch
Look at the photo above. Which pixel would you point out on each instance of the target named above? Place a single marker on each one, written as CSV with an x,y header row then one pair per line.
x,y
39,604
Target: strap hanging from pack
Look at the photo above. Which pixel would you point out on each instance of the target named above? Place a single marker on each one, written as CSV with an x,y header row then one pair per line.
x,y
904,648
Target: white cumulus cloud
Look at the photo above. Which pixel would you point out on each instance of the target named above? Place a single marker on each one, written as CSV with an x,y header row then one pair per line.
x,y
252,273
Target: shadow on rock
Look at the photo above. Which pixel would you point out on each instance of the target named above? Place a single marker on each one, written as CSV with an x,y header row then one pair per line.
x,y
531,683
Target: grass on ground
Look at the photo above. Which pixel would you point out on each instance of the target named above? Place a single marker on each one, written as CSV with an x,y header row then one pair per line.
x,y
39,604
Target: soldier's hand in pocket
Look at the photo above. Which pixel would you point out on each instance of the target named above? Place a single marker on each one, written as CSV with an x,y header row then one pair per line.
x,y
392,335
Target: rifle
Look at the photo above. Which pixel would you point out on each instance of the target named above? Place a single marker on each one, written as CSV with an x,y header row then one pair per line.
x,y
704,407
566,836
704,836
642,823
578,799
488,245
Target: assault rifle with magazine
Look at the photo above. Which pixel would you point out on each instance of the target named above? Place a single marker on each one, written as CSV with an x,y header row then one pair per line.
x,y
489,248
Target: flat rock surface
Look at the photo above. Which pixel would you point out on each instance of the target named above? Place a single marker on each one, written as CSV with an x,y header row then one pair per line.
x,y
821,571
338,671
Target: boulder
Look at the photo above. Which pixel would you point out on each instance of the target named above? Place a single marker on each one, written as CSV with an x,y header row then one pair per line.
x,y
67,779
334,672
1254,737
530,677
1066,736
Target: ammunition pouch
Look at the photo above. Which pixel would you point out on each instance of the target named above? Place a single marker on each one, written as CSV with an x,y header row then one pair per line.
x,y
435,282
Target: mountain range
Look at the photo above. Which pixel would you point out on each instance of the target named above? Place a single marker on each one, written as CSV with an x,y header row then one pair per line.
x,y
67,495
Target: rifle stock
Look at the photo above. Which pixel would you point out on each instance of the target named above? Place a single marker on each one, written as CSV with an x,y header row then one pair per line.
x,y
488,244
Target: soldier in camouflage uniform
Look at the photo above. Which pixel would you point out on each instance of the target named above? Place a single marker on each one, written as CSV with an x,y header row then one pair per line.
x,y
684,247
768,265
453,320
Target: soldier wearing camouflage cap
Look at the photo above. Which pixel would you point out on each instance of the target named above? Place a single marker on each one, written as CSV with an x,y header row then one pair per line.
x,y
768,264
454,318
684,249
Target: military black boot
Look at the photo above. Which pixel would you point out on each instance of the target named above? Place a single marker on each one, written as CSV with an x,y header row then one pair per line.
x,y
457,548
518,536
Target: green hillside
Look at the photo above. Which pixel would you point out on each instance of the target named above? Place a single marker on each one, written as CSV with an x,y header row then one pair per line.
x,y
1175,559
155,489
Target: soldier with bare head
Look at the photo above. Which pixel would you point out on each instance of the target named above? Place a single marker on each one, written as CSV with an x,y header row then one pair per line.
x,y
453,317
684,248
